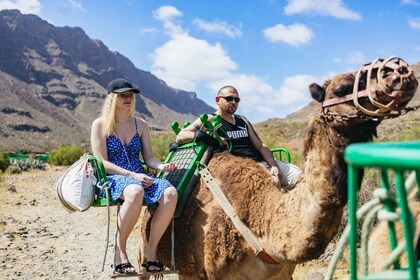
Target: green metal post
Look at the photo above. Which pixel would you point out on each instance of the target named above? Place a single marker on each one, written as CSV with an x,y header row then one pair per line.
x,y
406,218
353,179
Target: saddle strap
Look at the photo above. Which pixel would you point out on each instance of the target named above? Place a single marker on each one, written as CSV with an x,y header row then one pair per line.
x,y
230,212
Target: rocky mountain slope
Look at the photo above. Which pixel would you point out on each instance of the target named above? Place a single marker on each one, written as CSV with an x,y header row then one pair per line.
x,y
53,80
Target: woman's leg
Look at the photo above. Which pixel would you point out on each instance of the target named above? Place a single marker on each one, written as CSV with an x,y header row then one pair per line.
x,y
160,221
127,219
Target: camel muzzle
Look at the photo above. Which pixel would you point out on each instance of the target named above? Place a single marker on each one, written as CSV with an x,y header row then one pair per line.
x,y
381,89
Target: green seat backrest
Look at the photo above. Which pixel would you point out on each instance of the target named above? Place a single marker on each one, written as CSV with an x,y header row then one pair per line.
x,y
185,158
185,177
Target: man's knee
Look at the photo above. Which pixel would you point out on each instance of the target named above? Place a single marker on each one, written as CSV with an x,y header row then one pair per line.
x,y
290,174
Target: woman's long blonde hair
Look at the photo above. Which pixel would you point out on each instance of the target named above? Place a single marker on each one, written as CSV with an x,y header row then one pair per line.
x,y
108,113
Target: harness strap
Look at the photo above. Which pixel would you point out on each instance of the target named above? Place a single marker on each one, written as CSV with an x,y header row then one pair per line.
x,y
172,245
105,188
240,226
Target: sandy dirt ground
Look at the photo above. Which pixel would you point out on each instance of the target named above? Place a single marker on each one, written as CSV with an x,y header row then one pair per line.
x,y
39,239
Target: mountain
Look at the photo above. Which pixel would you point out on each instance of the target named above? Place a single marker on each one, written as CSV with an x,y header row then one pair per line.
x,y
53,80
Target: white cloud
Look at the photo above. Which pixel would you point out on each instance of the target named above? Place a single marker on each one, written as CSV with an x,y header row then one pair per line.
x,y
168,15
334,8
414,23
24,6
295,34
259,98
77,5
218,27
184,61
190,63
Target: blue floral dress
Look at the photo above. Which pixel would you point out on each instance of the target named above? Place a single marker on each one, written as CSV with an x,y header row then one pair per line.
x,y
127,157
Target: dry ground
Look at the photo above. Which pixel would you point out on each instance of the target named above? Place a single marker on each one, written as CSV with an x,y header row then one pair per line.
x,y
39,239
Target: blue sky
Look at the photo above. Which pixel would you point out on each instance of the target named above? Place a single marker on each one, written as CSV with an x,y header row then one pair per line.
x,y
270,50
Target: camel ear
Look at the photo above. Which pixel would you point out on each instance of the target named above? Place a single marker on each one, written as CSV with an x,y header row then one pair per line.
x,y
317,92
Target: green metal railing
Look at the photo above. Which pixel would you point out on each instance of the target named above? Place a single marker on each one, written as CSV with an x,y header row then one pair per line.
x,y
278,152
395,158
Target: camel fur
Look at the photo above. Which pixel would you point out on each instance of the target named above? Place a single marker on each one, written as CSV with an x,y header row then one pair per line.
x,y
293,226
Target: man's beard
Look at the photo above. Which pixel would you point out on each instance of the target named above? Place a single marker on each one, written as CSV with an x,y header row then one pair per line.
x,y
231,110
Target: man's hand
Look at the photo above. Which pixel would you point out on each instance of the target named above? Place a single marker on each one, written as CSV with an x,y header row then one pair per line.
x,y
275,171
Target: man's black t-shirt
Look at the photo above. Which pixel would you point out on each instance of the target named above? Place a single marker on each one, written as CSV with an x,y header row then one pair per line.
x,y
239,137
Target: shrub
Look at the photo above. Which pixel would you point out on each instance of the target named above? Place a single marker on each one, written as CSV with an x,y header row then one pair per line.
x,y
13,169
65,155
4,161
160,144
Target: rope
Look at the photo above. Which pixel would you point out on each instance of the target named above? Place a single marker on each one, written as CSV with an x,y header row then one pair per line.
x,y
368,209
173,246
115,240
227,207
367,225
105,188
398,251
344,236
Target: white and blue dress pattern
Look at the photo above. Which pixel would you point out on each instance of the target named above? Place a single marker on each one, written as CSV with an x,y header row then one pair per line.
x,y
129,159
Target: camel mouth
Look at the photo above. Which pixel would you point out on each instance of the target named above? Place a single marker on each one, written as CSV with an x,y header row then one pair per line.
x,y
381,89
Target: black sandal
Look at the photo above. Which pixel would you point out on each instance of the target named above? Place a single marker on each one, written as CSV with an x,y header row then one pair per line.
x,y
157,264
122,268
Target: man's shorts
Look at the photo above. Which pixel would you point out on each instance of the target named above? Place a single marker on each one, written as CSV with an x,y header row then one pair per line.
x,y
290,173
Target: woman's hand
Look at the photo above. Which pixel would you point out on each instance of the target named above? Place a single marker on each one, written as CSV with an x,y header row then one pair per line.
x,y
167,166
145,180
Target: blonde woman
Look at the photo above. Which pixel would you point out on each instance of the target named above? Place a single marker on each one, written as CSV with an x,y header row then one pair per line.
x,y
118,138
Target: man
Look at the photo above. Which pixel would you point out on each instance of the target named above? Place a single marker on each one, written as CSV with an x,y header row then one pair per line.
x,y
245,141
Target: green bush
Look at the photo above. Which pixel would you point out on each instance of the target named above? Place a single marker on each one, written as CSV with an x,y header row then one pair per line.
x,y
65,155
4,160
160,143
13,169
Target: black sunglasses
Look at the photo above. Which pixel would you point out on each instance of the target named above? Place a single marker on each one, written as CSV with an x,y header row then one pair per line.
x,y
231,98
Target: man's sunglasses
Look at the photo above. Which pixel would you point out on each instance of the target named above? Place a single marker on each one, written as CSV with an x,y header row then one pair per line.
x,y
231,98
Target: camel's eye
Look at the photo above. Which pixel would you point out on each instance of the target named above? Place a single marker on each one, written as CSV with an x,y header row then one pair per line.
x,y
343,90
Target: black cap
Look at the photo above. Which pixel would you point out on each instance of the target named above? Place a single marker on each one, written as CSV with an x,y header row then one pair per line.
x,y
121,85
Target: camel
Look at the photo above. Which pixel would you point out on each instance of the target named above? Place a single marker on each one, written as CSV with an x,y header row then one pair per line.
x,y
294,226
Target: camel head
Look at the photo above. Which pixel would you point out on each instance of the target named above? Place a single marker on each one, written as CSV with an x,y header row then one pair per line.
x,y
380,89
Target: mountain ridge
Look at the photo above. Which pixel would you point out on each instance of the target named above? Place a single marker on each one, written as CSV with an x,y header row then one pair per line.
x,y
53,80
58,75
